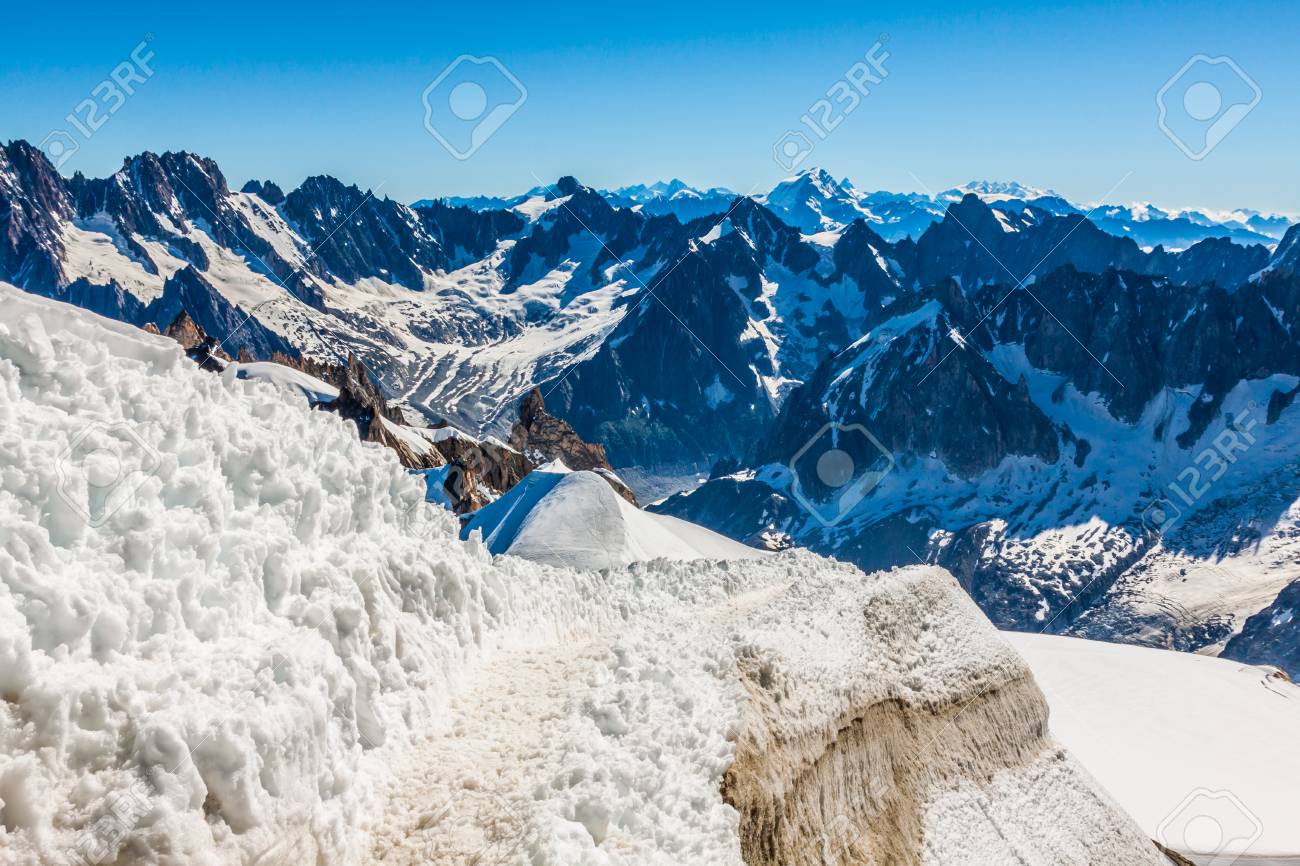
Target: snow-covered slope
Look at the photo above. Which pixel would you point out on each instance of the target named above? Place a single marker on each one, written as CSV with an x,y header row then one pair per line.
x,y
1188,744
233,633
576,519
314,389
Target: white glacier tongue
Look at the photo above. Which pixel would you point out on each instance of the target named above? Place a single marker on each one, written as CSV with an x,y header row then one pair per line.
x,y
231,633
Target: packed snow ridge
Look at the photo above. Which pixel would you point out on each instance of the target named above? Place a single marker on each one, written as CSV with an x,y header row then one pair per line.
x,y
232,634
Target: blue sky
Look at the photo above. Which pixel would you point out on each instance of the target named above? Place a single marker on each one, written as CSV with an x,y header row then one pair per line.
x,y
1059,95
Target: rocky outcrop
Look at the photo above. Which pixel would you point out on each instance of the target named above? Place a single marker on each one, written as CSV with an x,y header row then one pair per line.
x,y
481,470
911,384
541,437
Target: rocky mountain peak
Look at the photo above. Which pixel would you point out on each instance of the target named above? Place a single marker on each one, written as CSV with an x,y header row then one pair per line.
x,y
542,437
268,191
568,185
974,215
1286,258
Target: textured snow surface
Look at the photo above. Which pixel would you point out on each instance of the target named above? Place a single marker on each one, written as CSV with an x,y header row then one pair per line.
x,y
1157,727
233,633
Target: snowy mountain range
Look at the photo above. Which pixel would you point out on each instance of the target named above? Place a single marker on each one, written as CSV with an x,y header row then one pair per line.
x,y
1033,383
814,201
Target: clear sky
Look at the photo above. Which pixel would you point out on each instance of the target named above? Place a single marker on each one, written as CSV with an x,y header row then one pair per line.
x,y
1059,95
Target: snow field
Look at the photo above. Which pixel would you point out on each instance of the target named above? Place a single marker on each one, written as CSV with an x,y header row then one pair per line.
x,y
1168,733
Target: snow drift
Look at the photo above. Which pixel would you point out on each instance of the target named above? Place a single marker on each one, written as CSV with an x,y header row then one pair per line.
x,y
230,632
576,519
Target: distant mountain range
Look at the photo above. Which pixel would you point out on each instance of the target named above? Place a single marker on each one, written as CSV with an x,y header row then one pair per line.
x,y
1033,380
814,201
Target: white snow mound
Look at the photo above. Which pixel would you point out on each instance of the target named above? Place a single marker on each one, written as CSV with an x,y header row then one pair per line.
x,y
576,519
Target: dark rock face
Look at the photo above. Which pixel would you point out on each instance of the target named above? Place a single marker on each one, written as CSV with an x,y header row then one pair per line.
x,y
541,437
657,392
857,259
188,292
971,245
1286,258
354,235
466,234
920,392
1214,260
1272,636
33,200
